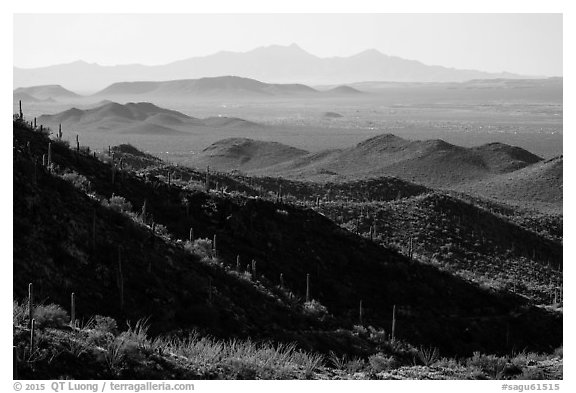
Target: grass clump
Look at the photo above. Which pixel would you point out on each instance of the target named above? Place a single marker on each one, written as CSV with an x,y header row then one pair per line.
x,y
491,365
428,356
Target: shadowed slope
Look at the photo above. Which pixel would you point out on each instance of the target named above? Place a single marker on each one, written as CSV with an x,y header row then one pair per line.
x,y
53,238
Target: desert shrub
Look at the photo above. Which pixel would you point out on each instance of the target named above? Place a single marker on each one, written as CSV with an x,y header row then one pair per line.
x,y
533,373
100,330
50,315
20,313
558,352
379,363
360,330
118,204
162,231
61,142
200,247
447,363
79,181
104,324
403,351
315,309
99,338
377,336
492,365
195,186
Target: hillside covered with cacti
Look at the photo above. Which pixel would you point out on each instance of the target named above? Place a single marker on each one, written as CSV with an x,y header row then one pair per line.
x,y
323,268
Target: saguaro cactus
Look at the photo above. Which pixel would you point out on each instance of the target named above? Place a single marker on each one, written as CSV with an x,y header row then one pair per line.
x,y
282,280
94,230
210,290
59,131
253,268
307,287
77,144
73,310
393,337
360,313
36,170
34,123
207,181
30,303
32,336
191,234
14,362
21,115
143,213
238,263
120,279
214,249
49,154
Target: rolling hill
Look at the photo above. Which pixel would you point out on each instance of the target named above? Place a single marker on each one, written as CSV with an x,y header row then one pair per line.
x,y
222,86
278,64
140,118
246,154
432,163
24,97
44,92
538,184
343,90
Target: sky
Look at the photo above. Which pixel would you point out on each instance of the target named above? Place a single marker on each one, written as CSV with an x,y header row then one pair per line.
x,y
528,44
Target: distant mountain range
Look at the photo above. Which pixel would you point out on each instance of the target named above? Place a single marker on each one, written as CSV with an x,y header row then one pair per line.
x,y
141,118
434,163
273,64
219,87
222,86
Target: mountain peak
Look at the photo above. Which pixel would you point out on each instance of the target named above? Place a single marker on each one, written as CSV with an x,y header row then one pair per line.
x,y
287,50
370,53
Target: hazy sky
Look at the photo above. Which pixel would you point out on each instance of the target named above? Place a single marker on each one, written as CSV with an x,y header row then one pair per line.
x,y
521,43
